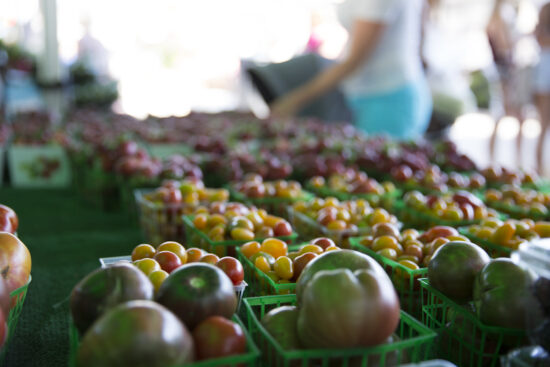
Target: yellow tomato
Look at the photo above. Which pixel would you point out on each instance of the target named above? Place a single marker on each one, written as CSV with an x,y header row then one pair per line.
x,y
311,248
262,264
284,268
242,234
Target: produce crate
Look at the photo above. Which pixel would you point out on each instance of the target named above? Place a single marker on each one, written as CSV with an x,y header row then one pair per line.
x,y
260,283
404,280
275,206
414,345
307,229
196,238
248,359
516,211
160,223
38,166
384,201
463,339
239,289
19,295
413,218
493,249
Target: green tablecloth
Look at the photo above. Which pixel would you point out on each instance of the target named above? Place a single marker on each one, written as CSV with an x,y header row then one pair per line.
x,y
66,238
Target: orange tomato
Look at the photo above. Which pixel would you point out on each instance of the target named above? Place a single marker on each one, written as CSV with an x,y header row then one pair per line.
x,y
194,254
274,247
250,248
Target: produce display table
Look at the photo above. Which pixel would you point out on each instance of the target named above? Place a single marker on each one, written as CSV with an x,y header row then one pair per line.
x,y
66,240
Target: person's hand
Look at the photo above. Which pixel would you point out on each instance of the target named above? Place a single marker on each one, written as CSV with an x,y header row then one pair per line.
x,y
285,106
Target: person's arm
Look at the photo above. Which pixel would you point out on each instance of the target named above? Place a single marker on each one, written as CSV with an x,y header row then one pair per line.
x,y
364,37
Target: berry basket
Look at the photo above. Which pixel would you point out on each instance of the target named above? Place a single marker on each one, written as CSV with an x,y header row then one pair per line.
x,y
462,338
239,289
18,296
404,279
273,205
493,249
516,211
162,222
260,282
307,228
414,344
385,200
248,359
413,218
196,238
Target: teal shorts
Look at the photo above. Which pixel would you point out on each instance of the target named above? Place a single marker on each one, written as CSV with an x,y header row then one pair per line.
x,y
403,113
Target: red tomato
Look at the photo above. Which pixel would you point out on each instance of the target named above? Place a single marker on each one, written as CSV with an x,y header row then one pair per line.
x,y
232,268
282,228
168,261
9,214
218,337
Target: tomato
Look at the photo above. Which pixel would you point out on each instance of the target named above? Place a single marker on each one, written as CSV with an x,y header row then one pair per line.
x,y
284,268
15,261
264,232
200,221
382,242
147,266
194,254
453,269
262,264
274,247
174,247
218,337
157,277
301,261
210,259
337,225
232,268
250,248
216,219
388,253
143,251
282,228
311,248
168,261
323,242
270,259
241,222
197,291
414,250
9,214
242,234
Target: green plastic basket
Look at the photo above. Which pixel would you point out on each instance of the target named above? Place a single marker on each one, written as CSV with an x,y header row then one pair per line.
x,y
18,296
307,229
275,206
413,218
404,280
161,222
493,249
375,200
415,342
259,283
463,339
249,359
196,238
516,211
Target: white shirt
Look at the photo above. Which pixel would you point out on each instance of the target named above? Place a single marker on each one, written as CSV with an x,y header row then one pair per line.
x,y
395,60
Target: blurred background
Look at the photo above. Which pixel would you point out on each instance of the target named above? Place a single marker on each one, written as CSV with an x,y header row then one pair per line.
x,y
170,57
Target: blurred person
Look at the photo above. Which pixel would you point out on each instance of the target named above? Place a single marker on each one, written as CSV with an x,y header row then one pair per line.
x,y
512,88
381,71
542,81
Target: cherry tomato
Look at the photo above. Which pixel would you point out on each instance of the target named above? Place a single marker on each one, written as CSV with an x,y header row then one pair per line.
x,y
284,268
262,264
218,337
174,247
232,268
250,248
194,254
274,247
143,251
210,259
